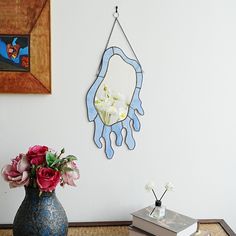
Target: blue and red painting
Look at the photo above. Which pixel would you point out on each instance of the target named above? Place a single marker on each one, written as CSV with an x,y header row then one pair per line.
x,y
14,53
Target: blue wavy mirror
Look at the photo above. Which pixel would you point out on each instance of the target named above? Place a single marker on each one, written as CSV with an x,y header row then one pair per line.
x,y
110,110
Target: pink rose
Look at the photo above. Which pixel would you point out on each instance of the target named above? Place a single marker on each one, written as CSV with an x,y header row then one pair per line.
x,y
17,173
69,176
37,155
47,179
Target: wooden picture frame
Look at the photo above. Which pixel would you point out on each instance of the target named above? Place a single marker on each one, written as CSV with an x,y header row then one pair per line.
x,y
29,18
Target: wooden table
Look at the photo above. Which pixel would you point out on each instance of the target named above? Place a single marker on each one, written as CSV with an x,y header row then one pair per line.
x,y
215,227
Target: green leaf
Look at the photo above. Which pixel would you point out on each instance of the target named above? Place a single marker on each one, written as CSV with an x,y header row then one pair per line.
x,y
57,161
71,158
50,158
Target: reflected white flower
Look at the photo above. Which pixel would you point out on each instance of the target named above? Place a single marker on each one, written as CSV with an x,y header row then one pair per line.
x,y
105,88
150,186
98,102
112,107
169,186
116,97
101,105
112,110
122,113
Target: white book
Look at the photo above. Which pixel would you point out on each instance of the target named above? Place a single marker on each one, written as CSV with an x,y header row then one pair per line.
x,y
172,224
133,231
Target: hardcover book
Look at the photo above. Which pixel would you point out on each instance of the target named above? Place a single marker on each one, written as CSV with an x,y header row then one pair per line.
x,y
133,231
172,224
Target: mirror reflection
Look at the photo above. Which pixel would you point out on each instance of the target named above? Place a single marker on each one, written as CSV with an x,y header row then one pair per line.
x,y
114,94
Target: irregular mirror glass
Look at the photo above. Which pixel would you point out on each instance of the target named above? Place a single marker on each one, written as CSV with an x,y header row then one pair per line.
x,y
101,99
114,95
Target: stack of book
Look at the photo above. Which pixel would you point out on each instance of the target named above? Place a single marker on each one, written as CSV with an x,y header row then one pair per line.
x,y
172,224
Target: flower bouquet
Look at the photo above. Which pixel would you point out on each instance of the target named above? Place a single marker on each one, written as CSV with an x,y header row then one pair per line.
x,y
112,107
41,168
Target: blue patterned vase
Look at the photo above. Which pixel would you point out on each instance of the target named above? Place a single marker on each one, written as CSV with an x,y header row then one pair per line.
x,y
40,215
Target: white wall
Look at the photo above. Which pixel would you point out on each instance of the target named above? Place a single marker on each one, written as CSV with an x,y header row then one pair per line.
x,y
188,52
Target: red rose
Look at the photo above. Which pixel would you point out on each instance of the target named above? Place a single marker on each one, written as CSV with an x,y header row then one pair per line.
x,y
37,155
47,179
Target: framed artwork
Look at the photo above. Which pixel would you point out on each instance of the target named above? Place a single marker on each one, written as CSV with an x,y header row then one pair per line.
x,y
25,60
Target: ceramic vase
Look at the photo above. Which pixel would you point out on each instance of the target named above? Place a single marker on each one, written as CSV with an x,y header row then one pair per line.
x,y
40,215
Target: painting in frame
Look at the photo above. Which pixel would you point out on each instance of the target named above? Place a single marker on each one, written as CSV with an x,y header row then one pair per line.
x,y
25,57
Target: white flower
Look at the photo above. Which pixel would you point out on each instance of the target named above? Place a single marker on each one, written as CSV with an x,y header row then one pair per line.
x,y
149,186
169,186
